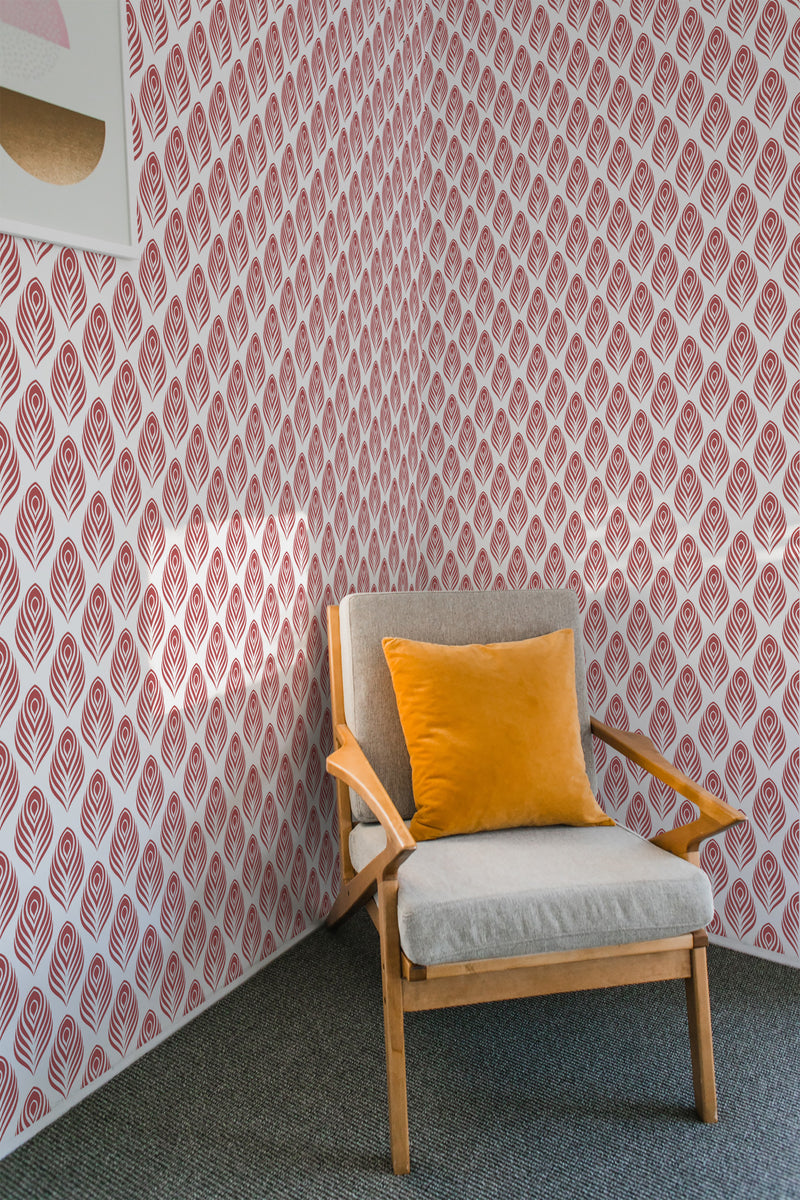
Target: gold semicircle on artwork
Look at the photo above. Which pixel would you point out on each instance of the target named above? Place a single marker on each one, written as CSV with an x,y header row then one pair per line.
x,y
42,18
56,145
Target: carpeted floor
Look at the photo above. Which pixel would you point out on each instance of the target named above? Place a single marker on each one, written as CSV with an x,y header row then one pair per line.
x,y
278,1092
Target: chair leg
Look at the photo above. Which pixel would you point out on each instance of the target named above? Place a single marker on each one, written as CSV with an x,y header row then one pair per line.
x,y
393,1026
699,1011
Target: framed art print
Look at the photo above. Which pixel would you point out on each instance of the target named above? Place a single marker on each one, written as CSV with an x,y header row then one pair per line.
x,y
65,152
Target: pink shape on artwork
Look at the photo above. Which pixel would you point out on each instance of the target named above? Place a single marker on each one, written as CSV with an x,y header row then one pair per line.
x,y
43,18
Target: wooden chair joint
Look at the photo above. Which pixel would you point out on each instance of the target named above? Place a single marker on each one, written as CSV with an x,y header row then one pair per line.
x,y
412,971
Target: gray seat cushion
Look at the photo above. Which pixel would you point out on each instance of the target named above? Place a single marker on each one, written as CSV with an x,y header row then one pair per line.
x,y
530,891
451,619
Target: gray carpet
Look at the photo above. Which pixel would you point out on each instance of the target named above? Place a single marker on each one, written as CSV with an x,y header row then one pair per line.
x,y
278,1092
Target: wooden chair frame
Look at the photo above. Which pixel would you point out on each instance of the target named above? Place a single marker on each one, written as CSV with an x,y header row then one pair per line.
x,y
412,987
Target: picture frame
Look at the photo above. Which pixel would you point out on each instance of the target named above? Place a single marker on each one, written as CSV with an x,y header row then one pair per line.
x,y
66,152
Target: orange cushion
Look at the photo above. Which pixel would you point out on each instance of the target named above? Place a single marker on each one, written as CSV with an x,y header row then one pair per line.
x,y
493,734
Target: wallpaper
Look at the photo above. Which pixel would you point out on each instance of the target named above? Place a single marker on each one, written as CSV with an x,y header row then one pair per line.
x,y
198,452
465,295
610,382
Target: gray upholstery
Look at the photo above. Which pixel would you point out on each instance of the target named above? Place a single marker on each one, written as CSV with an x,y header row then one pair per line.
x,y
529,891
448,618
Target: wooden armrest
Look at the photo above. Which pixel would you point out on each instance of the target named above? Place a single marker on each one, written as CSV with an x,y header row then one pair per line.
x,y
350,764
715,814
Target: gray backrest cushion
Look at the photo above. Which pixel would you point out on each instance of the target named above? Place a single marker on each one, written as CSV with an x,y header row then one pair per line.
x,y
446,618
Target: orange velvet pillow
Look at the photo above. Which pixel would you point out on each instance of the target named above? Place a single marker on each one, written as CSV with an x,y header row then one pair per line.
x,y
493,734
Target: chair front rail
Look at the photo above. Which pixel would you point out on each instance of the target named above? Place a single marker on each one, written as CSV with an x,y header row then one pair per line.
x,y
483,966
715,814
546,979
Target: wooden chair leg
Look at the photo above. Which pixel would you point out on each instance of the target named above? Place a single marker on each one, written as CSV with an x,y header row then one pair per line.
x,y
393,1026
699,1011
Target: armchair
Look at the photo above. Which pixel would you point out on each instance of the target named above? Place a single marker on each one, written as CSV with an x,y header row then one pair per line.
x,y
513,912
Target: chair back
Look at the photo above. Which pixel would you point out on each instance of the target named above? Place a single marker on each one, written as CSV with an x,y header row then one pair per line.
x,y
448,618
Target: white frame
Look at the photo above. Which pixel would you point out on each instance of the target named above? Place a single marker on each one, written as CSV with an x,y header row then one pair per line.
x,y
60,237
